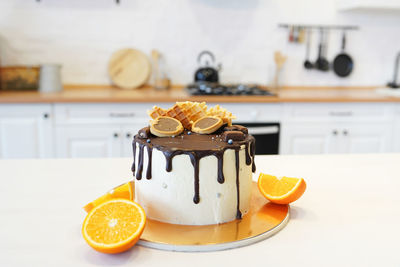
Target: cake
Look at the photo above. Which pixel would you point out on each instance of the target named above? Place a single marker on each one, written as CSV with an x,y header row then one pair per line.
x,y
193,169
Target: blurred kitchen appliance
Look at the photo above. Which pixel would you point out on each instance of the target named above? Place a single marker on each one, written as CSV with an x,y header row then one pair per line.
x,y
206,72
266,135
19,78
207,88
50,78
394,84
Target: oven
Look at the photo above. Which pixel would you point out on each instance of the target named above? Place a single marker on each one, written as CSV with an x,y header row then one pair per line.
x,y
266,135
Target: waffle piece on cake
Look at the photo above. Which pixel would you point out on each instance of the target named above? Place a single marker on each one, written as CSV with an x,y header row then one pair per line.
x,y
225,115
194,110
177,113
156,112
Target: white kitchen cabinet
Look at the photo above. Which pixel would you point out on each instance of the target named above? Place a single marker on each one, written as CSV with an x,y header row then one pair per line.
x,y
127,137
397,137
315,128
88,141
94,141
396,132
26,131
97,130
367,138
306,139
322,138
368,5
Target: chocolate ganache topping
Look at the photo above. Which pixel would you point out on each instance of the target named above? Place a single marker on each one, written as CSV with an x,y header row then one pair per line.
x,y
196,146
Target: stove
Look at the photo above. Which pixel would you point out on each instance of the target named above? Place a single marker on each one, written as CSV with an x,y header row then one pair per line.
x,y
205,88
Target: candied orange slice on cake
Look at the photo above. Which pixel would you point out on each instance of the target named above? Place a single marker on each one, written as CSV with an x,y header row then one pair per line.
x,y
123,191
207,124
283,190
114,226
164,126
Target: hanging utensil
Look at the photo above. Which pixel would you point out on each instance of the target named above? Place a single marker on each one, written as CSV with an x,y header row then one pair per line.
x,y
322,63
302,33
343,63
291,33
296,34
307,63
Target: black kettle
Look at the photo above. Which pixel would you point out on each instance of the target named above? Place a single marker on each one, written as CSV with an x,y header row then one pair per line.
x,y
207,73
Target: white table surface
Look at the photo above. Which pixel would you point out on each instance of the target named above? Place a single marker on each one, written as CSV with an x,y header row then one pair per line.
x,y
348,216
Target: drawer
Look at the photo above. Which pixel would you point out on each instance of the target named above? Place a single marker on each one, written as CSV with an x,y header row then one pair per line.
x,y
397,110
337,111
101,113
254,112
137,113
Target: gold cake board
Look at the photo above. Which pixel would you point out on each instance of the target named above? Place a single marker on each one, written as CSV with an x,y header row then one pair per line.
x,y
262,221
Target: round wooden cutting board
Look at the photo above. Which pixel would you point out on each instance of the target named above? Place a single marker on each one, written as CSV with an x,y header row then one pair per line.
x,y
129,68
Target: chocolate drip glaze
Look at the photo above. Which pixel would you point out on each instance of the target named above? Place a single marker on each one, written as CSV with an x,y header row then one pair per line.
x,y
196,146
149,154
134,157
253,153
247,152
140,162
238,213
195,162
221,177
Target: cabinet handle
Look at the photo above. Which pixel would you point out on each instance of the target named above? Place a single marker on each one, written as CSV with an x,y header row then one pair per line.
x,y
121,115
116,135
46,115
345,132
341,113
334,132
128,135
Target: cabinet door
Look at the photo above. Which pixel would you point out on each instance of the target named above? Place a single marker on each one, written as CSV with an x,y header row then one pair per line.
x,y
397,137
309,139
367,138
25,131
128,131
80,141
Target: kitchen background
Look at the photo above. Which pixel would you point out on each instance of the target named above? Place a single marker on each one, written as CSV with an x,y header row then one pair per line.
x,y
315,112
82,35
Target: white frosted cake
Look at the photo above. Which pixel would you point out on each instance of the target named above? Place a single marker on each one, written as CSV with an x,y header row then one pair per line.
x,y
193,178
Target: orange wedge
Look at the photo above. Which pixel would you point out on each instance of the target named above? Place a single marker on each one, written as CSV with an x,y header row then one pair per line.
x,y
123,191
281,191
114,226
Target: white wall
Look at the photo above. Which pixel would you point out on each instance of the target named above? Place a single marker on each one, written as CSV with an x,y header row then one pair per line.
x,y
82,34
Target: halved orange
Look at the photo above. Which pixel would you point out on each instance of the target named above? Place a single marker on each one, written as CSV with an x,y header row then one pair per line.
x,y
281,191
114,226
123,191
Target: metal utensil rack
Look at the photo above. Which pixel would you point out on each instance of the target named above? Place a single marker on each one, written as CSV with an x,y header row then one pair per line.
x,y
342,64
319,27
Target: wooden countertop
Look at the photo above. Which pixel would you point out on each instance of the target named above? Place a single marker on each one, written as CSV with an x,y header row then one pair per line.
x,y
108,94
